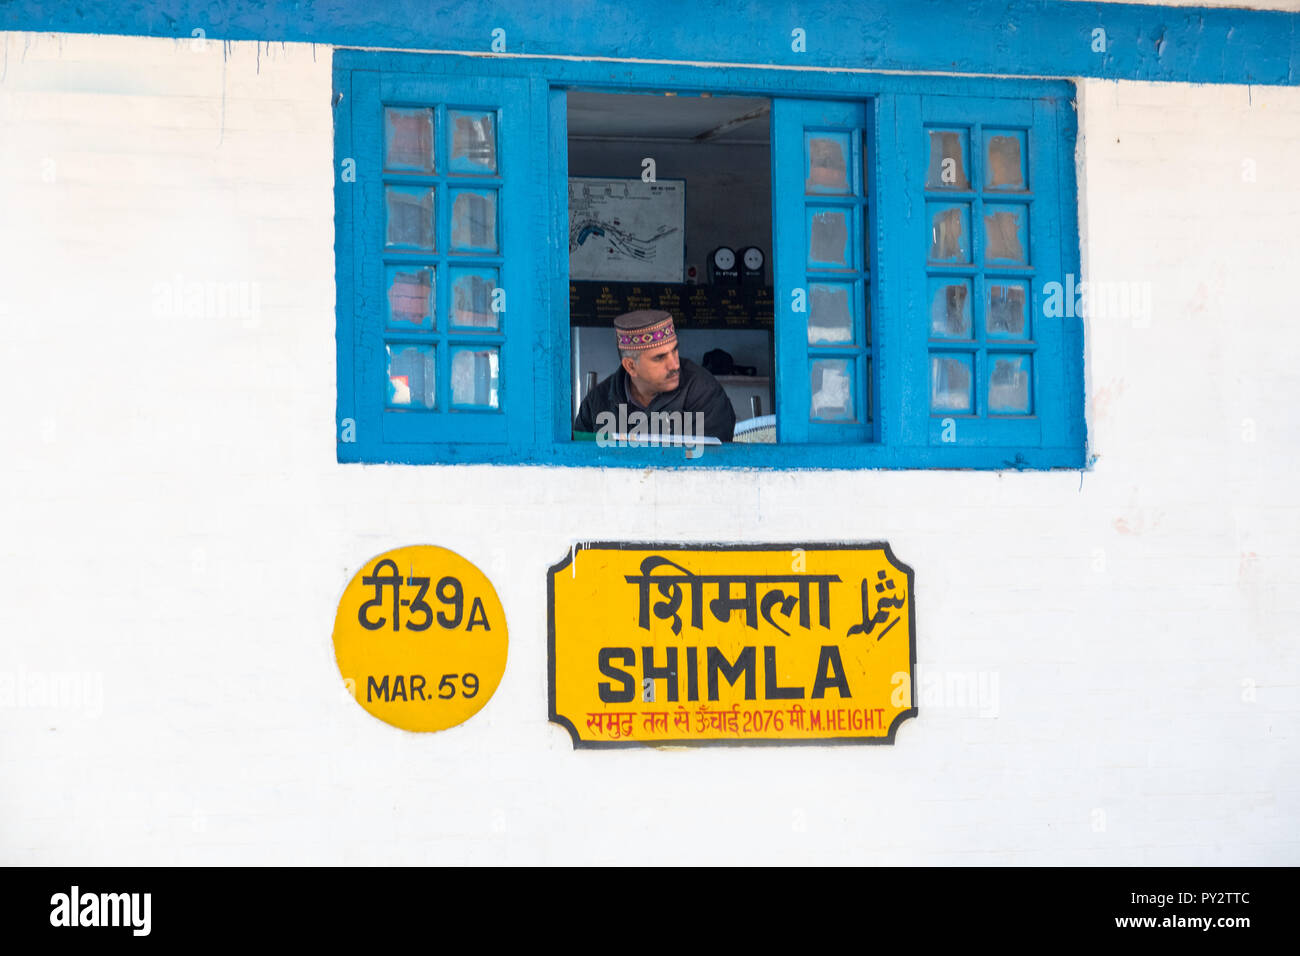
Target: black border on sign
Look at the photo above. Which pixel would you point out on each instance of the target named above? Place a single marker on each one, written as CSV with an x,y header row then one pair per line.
x,y
580,744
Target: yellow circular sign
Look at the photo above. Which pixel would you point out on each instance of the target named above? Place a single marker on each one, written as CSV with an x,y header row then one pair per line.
x,y
420,638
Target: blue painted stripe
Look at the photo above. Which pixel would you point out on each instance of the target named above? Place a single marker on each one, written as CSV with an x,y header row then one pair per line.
x,y
1015,38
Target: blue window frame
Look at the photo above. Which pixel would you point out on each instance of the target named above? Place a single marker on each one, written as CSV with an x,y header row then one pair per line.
x,y
822,221
994,372
431,239
916,224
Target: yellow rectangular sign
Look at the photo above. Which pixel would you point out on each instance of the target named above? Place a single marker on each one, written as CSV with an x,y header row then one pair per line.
x,y
694,644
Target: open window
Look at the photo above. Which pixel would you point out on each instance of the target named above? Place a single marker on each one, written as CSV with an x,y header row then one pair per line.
x,y
669,208
906,235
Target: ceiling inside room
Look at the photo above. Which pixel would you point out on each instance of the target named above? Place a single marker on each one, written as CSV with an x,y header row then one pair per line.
x,y
657,117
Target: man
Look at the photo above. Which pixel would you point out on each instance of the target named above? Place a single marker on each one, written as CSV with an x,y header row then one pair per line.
x,y
654,391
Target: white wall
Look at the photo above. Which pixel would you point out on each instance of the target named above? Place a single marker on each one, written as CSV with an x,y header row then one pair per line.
x,y
177,533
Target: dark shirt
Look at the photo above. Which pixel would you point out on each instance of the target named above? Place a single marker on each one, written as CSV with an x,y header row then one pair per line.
x,y
696,391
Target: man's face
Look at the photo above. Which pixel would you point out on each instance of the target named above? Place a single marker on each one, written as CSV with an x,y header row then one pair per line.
x,y
655,370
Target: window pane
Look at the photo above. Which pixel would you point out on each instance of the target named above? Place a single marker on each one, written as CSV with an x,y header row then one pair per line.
x,y
474,377
832,390
410,218
828,238
1005,166
1006,309
474,220
473,142
950,381
1009,384
950,308
828,163
830,313
948,163
411,297
411,376
949,233
471,298
408,140
1006,234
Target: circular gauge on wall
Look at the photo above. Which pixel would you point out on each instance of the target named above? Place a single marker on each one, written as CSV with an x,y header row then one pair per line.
x,y
722,266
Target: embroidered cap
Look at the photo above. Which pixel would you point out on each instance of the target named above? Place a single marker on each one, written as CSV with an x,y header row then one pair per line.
x,y
646,329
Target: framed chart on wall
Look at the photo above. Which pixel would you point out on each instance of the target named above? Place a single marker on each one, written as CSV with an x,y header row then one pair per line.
x,y
626,230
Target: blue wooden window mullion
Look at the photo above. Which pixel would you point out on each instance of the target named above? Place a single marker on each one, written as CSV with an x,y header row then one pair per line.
x,y
556,185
